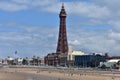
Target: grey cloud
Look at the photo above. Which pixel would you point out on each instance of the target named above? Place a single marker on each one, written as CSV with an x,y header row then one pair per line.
x,y
115,24
22,1
19,5
42,40
89,42
80,8
12,6
38,40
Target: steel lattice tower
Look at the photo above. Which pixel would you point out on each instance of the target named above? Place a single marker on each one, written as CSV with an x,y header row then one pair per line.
x,y
62,46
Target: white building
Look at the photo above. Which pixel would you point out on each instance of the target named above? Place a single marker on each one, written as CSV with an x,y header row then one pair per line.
x,y
114,60
72,54
10,59
29,60
18,61
1,61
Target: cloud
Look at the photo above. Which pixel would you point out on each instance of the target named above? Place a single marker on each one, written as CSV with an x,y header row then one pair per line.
x,y
87,9
94,9
6,6
90,42
113,5
115,24
40,40
79,8
22,1
33,41
19,5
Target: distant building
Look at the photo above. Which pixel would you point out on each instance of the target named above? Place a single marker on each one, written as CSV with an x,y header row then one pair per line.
x,y
62,46
60,57
36,61
89,60
10,60
27,61
52,59
56,59
111,57
71,56
18,61
1,61
110,64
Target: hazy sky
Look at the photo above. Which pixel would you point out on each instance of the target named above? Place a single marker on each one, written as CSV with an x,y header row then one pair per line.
x,y
30,27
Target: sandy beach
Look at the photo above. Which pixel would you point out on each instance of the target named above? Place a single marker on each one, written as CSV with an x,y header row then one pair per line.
x,y
40,74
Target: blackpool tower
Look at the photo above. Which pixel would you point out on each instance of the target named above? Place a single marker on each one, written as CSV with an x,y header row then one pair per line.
x,y
62,45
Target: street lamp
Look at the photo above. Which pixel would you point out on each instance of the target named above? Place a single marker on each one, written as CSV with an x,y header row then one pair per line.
x,y
56,59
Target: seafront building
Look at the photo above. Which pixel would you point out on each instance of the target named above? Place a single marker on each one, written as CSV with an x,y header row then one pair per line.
x,y
112,62
71,56
18,61
92,60
34,61
0,61
64,56
60,56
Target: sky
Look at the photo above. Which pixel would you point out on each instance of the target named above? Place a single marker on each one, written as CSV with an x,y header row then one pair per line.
x,y
31,27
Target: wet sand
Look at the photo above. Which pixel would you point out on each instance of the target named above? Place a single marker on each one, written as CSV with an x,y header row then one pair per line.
x,y
37,74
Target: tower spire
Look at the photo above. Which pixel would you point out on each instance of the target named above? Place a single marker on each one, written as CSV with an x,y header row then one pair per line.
x,y
62,5
62,12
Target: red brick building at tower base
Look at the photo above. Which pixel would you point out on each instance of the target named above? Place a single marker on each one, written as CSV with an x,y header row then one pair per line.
x,y
60,57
